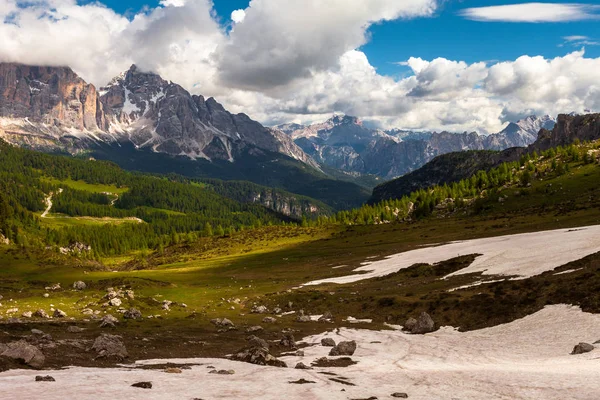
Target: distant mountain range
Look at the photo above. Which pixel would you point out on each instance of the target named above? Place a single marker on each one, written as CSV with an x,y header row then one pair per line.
x,y
343,142
453,167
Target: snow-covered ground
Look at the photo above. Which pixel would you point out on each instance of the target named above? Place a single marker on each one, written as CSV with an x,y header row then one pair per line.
x,y
522,255
526,359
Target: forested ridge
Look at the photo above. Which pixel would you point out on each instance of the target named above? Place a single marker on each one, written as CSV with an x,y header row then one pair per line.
x,y
171,211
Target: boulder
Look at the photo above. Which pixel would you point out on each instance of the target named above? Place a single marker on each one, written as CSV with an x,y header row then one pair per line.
x,y
328,342
582,348
257,355
116,302
79,285
59,313
344,349
41,314
288,341
423,324
254,329
133,313
108,321
255,341
259,310
327,317
222,322
23,352
110,346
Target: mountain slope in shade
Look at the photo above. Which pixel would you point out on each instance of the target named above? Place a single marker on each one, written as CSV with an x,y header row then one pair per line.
x,y
343,142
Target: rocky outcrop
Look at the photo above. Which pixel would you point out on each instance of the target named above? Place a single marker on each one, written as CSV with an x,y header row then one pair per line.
x,y
51,108
23,352
567,130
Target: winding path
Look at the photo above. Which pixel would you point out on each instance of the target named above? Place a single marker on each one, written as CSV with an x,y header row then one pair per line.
x,y
49,203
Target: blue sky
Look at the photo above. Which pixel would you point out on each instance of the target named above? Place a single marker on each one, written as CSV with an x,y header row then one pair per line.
x,y
447,34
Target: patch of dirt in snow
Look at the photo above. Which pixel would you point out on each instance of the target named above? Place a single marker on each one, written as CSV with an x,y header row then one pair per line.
x,y
523,255
525,359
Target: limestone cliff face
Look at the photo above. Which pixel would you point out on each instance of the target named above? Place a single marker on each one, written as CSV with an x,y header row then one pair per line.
x,y
569,128
51,108
54,96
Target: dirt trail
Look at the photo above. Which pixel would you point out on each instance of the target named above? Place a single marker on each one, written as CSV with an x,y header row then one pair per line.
x,y
48,202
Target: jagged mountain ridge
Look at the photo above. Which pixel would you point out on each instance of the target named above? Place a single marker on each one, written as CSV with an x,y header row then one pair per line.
x,y
51,108
453,167
343,142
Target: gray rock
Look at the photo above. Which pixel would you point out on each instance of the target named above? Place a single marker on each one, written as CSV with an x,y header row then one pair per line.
x,y
288,341
255,341
327,317
258,356
41,314
424,324
259,310
37,332
110,346
302,366
27,314
133,313
399,395
582,348
79,285
254,329
24,352
46,378
108,321
222,322
75,329
328,342
269,320
116,302
59,313
303,318
344,349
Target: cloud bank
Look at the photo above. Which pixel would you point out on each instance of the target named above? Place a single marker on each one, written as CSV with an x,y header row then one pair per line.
x,y
285,60
534,12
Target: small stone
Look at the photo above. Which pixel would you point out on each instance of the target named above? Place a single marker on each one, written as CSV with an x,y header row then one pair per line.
x,y
327,342
46,295
302,366
143,385
46,378
400,395
259,310
59,313
79,285
27,314
269,320
75,329
303,318
327,317
37,332
41,314
173,371
300,353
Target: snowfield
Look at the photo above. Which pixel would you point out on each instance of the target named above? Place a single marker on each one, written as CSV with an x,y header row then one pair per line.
x,y
526,359
523,255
